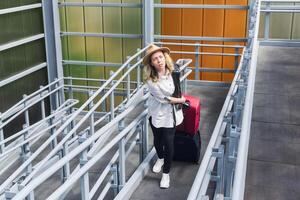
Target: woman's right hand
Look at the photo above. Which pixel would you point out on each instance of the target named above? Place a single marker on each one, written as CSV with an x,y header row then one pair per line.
x,y
183,99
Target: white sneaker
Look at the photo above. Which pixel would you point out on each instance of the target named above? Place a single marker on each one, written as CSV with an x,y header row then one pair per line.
x,y
157,166
165,181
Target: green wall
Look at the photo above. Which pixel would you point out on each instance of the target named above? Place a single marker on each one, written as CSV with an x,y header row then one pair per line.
x,y
16,26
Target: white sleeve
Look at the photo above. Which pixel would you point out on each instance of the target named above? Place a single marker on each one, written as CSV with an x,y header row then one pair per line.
x,y
156,92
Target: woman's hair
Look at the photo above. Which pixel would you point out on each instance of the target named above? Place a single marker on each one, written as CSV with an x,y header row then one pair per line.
x,y
151,74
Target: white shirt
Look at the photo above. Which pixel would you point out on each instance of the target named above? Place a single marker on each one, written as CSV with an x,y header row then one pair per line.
x,y
159,108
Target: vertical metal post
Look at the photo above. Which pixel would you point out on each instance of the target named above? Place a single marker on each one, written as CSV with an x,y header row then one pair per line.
x,y
219,154
122,158
238,103
2,146
52,131
140,142
145,139
25,148
128,82
103,104
70,89
236,58
230,159
56,96
92,120
228,120
148,19
145,131
112,99
65,171
138,74
197,61
84,180
43,112
26,113
267,22
53,45
114,184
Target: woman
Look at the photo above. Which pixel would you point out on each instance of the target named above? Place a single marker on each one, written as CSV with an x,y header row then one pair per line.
x,y
157,75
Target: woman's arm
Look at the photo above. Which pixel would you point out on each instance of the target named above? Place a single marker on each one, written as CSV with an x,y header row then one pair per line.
x,y
175,100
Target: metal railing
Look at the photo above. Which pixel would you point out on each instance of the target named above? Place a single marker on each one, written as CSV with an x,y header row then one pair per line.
x,y
89,105
197,69
225,159
92,145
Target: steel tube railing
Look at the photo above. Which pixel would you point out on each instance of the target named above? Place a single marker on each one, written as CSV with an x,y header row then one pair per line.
x,y
243,146
200,45
22,74
213,141
104,97
104,35
59,131
205,53
20,8
19,42
280,1
281,11
193,6
58,146
29,105
95,4
90,63
35,182
198,38
93,160
15,108
37,125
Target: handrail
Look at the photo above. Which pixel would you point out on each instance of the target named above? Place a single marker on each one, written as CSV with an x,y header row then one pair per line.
x,y
12,109
243,146
68,121
35,182
214,137
200,45
100,133
36,125
29,105
93,160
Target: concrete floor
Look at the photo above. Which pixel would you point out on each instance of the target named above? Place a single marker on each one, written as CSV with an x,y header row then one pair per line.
x,y
183,174
273,171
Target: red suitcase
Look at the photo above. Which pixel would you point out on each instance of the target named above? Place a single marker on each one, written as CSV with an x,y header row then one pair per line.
x,y
191,115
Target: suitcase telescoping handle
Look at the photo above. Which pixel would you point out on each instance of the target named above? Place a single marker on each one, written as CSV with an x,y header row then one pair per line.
x,y
186,105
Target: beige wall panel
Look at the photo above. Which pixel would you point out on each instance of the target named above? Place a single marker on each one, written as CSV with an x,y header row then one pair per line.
x,y
64,40
261,25
296,25
76,45
281,25
94,45
112,23
131,24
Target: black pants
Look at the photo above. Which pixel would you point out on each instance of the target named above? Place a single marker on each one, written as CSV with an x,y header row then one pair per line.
x,y
164,145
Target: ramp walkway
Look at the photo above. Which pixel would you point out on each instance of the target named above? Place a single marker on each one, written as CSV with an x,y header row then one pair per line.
x,y
183,174
273,170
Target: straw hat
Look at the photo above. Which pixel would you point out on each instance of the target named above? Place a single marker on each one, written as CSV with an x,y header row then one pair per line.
x,y
153,49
